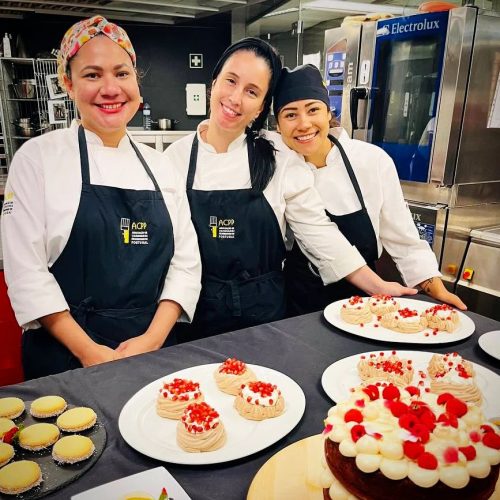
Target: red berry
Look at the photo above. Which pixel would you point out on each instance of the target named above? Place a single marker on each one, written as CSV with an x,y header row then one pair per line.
x,y
443,398
412,390
475,437
360,403
413,450
427,461
357,432
408,421
487,428
448,419
398,408
429,420
450,455
456,407
421,432
391,392
9,435
371,391
492,440
469,452
353,416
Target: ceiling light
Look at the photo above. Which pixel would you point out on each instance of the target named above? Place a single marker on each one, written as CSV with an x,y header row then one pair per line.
x,y
345,6
280,12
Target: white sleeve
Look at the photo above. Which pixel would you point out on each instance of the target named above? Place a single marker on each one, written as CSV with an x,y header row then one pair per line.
x,y
413,257
33,290
183,280
318,237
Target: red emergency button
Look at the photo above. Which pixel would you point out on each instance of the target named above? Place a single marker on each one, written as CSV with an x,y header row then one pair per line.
x,y
468,273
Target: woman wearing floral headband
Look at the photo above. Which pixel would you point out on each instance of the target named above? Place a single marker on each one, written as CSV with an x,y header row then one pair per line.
x,y
242,193
100,255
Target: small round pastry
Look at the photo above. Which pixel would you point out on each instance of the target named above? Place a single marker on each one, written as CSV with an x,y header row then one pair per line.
x,y
404,321
231,375
442,317
73,449
200,429
11,407
77,419
38,436
382,304
174,397
19,477
6,453
5,426
259,400
385,368
356,311
48,406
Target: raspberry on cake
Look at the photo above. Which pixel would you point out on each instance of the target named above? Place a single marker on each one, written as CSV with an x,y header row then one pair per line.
x,y
356,311
200,429
399,444
385,368
175,396
452,373
404,321
231,375
259,400
442,317
382,304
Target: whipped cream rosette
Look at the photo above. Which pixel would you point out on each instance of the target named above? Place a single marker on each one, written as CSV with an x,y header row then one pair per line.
x,y
442,317
356,311
259,400
385,368
403,443
200,429
382,304
231,375
174,397
404,321
452,373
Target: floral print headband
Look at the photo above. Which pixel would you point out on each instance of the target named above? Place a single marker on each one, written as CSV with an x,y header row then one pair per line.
x,y
83,31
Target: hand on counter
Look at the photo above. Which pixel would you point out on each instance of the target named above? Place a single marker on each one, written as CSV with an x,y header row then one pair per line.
x,y
434,287
137,345
98,354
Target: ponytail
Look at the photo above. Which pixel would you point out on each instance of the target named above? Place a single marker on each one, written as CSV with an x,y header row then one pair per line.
x,y
263,166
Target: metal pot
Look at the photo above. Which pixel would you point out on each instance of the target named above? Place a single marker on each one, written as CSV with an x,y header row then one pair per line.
x,y
166,123
25,88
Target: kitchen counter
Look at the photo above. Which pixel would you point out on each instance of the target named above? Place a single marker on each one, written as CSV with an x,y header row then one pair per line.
x,y
300,347
159,139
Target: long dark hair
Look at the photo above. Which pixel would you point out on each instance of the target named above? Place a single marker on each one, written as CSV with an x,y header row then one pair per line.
x,y
264,165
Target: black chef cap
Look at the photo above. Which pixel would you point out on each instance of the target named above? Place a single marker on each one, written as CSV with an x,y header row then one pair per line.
x,y
270,54
303,82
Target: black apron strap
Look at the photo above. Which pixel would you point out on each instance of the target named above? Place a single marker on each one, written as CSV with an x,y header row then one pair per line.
x,y
84,156
145,165
349,169
192,163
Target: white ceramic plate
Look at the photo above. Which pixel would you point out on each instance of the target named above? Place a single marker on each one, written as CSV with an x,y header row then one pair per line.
x,y
466,328
155,436
341,376
490,343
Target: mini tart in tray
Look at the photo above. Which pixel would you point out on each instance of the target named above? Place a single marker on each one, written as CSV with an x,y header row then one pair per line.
x,y
19,477
6,424
385,367
231,375
200,429
73,449
174,397
11,407
6,453
77,419
48,406
259,400
38,436
356,311
442,317
404,321
382,304
450,373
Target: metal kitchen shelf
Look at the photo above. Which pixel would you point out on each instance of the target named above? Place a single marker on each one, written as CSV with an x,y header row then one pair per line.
x,y
21,99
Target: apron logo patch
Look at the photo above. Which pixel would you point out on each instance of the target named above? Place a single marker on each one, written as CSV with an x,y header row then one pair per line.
x,y
8,203
222,228
135,233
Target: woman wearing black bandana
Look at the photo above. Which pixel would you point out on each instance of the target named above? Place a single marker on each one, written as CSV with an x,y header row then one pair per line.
x,y
360,188
242,193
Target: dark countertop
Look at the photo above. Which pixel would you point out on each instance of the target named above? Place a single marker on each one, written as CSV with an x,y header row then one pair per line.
x,y
300,347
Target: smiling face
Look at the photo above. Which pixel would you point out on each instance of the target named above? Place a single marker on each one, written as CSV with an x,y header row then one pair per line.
x,y
304,127
104,87
238,92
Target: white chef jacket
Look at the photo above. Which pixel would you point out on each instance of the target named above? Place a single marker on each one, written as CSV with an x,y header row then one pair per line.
x,y
42,195
389,214
290,193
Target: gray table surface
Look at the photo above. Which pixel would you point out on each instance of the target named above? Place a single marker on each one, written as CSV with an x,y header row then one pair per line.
x,y
300,347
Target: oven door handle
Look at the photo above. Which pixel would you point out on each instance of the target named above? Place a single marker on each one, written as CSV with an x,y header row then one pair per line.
x,y
357,93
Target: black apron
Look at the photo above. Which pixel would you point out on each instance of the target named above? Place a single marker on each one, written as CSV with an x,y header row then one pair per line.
x,y
111,271
242,253
305,290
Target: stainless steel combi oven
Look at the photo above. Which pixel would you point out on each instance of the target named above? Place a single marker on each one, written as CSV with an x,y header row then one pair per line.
x,y
426,89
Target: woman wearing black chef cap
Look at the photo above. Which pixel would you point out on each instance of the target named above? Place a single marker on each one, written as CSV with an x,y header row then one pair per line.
x,y
360,188
242,193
